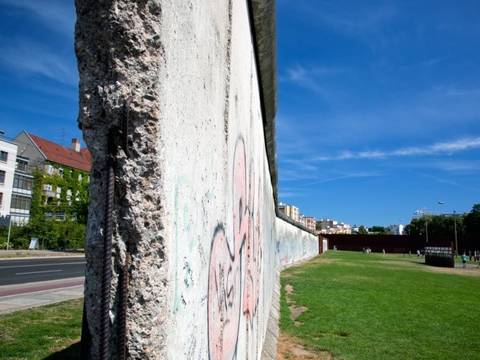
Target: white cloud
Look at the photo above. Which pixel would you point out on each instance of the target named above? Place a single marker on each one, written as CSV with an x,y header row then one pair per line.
x,y
450,182
358,19
352,175
56,15
312,78
450,147
31,58
453,166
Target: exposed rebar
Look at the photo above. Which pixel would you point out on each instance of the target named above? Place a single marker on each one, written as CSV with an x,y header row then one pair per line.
x,y
122,316
107,254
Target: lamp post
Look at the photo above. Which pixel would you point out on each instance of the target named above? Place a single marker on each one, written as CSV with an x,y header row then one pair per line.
x,y
421,213
9,229
426,230
455,231
454,227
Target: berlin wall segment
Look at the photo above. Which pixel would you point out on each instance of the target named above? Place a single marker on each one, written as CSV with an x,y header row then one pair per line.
x,y
194,206
228,277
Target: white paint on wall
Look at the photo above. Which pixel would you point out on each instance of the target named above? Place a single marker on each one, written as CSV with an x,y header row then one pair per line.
x,y
294,244
221,229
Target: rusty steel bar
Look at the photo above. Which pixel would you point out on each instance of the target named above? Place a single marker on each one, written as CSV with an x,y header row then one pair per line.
x,y
105,331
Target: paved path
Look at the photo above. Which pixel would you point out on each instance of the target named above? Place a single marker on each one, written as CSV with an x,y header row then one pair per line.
x,y
27,283
24,296
21,271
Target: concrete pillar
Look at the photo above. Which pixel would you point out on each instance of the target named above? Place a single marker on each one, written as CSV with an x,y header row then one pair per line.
x,y
120,60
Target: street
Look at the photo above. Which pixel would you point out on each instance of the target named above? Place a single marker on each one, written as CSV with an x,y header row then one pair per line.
x,y
22,271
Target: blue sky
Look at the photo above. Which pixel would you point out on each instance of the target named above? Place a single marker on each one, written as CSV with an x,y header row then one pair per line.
x,y
379,101
379,107
38,72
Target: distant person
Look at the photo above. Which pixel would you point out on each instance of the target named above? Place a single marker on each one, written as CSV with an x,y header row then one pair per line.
x,y
464,260
383,250
418,253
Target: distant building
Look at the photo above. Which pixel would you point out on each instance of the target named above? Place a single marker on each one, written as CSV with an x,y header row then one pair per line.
x,y
329,226
21,191
309,222
396,229
291,211
53,160
8,155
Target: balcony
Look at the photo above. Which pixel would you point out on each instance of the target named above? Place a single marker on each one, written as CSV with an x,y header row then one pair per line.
x,y
24,168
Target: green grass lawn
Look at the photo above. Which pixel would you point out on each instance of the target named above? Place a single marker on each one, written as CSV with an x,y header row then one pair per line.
x,y
40,333
382,307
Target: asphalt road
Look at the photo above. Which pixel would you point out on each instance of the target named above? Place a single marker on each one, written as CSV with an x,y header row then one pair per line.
x,y
32,270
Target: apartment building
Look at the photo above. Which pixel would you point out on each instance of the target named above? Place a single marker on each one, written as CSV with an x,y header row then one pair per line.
x,y
291,211
21,191
58,165
309,222
8,155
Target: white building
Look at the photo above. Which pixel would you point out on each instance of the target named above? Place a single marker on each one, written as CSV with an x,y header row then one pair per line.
x,y
8,156
22,191
396,229
329,226
291,211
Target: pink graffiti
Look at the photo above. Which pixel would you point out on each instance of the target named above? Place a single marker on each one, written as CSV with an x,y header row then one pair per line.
x,y
228,276
253,254
223,304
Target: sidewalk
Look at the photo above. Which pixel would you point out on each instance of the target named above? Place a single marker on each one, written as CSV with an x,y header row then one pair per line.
x,y
25,296
37,254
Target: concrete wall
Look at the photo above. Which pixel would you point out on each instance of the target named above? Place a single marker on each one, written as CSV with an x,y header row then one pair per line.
x,y
194,205
294,243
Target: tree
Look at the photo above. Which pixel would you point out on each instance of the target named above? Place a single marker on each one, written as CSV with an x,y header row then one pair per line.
x,y
37,222
441,229
377,230
472,228
362,230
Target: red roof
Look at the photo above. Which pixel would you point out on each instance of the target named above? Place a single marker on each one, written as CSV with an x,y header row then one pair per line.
x,y
59,154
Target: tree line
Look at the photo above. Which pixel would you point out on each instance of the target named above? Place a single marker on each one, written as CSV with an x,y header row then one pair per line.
x,y
59,223
442,228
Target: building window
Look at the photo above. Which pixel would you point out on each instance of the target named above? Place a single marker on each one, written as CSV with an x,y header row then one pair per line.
x,y
3,156
2,177
22,182
21,202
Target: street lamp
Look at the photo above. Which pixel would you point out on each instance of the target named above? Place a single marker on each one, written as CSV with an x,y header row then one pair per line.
x,y
455,231
421,213
9,229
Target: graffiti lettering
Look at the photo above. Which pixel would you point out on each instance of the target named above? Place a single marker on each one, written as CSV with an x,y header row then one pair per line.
x,y
235,267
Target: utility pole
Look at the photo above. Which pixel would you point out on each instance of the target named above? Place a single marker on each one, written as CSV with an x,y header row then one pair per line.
x,y
455,231
426,230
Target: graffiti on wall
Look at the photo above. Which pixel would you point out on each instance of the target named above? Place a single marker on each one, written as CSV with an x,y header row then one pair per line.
x,y
235,265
